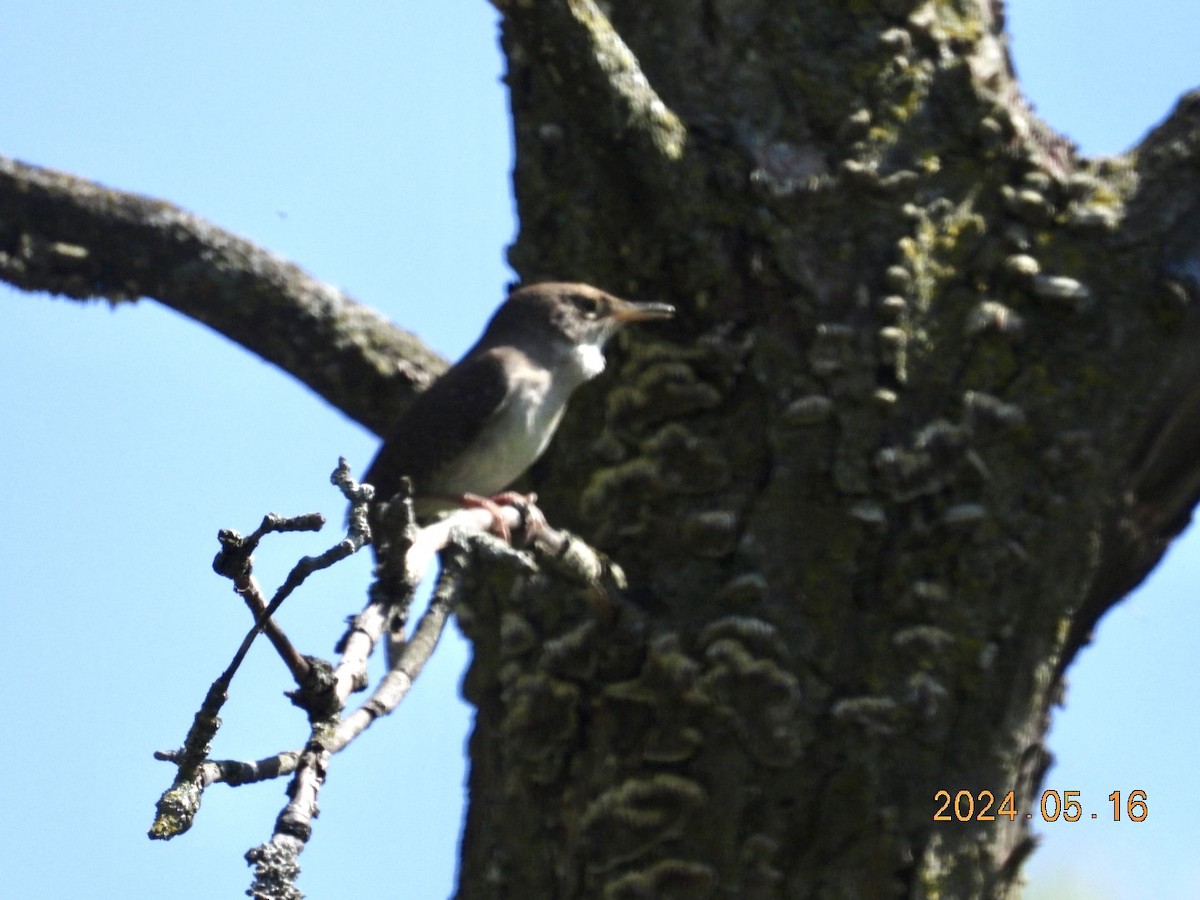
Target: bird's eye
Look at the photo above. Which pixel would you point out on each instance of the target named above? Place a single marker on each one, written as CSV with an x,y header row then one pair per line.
x,y
589,306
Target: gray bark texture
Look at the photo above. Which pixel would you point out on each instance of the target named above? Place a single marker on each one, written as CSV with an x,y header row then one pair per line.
x,y
928,410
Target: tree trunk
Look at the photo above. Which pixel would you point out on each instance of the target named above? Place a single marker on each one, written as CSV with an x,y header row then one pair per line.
x,y
926,414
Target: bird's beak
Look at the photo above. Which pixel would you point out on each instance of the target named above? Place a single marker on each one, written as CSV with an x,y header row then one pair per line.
x,y
623,311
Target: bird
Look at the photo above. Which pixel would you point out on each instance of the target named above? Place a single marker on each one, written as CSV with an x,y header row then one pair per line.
x,y
491,415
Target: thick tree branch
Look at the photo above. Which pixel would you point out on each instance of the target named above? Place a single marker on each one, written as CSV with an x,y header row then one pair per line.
x,y
1161,484
65,235
579,44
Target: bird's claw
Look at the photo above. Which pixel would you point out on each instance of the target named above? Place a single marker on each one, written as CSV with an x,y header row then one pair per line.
x,y
532,519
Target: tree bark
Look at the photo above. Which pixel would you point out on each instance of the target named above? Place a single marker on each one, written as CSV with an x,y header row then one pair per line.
x,y
65,235
927,412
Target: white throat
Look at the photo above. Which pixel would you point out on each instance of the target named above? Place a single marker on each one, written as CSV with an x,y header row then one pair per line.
x,y
589,360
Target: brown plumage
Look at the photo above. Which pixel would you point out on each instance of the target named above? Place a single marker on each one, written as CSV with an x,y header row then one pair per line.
x,y
490,416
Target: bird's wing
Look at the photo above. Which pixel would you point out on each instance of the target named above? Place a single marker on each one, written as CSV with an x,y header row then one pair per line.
x,y
445,418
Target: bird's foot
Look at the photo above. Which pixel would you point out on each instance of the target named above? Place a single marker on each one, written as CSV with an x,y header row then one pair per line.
x,y
532,519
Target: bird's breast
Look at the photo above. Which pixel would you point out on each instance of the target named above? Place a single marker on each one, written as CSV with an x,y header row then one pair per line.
x,y
512,440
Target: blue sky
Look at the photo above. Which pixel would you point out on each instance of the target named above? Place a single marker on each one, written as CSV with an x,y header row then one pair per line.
x,y
372,147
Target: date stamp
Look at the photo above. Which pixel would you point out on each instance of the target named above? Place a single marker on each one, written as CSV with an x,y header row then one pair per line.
x,y
977,806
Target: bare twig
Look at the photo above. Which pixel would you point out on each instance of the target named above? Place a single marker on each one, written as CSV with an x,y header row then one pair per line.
x,y
179,803
234,561
405,553
236,773
365,631
294,824
276,868
456,543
